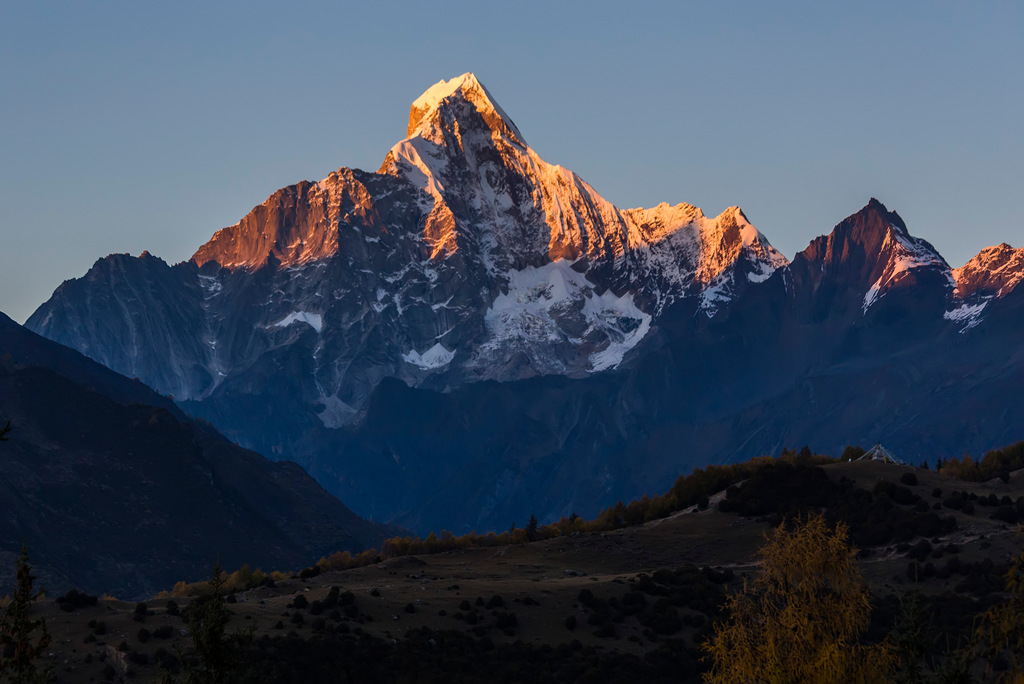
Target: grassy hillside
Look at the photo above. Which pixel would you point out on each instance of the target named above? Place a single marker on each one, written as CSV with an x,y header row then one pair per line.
x,y
599,600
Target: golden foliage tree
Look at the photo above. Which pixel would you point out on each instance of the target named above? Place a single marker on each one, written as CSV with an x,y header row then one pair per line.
x,y
801,618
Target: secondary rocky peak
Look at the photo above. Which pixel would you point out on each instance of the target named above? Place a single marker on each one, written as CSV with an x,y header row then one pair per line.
x,y
993,272
867,237
871,251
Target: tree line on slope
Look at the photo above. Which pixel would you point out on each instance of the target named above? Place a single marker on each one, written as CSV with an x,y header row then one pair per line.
x,y
776,486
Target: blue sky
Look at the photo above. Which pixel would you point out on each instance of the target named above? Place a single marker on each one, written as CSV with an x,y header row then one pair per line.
x,y
129,127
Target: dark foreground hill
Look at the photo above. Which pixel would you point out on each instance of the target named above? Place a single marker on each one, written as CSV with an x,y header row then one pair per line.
x,y
115,490
619,605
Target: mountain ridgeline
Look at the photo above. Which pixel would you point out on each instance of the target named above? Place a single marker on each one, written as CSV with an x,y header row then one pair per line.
x,y
470,335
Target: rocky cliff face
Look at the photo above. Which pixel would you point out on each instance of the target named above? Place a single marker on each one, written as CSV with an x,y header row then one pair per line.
x,y
529,329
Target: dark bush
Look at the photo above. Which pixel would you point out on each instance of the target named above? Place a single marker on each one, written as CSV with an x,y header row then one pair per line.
x,y
909,479
166,660
74,600
310,572
163,632
1007,514
633,602
506,621
143,635
954,502
899,495
662,618
920,550
300,602
570,622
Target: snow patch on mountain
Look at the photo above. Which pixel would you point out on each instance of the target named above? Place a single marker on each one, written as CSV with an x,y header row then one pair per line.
x,y
907,253
622,321
553,303
313,320
432,359
336,413
968,314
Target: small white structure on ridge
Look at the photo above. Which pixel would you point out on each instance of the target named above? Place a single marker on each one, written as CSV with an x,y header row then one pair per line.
x,y
880,453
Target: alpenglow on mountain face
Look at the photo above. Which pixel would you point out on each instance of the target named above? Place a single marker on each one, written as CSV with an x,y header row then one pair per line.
x,y
465,257
471,335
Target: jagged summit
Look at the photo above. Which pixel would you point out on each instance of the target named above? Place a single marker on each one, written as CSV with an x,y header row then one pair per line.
x,y
867,255
875,207
465,88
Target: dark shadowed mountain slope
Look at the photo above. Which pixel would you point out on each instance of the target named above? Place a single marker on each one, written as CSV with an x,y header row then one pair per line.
x,y
115,490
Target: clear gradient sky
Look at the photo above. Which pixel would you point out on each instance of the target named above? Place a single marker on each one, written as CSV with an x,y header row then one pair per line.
x,y
131,126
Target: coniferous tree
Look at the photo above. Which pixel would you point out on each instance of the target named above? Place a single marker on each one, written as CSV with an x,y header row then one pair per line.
x,y
531,528
913,639
23,639
214,653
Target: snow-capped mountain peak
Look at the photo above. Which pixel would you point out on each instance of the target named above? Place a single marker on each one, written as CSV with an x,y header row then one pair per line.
x,y
466,256
465,88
